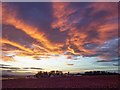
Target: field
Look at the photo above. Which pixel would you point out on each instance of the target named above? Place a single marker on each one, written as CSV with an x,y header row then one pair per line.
x,y
64,82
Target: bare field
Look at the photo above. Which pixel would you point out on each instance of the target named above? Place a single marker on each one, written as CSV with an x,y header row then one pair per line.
x,y
64,82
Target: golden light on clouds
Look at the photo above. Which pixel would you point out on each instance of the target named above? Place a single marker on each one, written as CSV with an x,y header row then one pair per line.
x,y
34,32
5,41
81,33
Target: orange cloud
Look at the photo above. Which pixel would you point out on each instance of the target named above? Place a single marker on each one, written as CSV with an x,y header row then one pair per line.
x,y
91,29
61,13
79,36
112,7
111,29
32,31
5,41
38,47
7,58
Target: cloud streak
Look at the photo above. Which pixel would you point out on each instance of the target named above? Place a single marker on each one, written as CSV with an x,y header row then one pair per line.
x,y
87,27
75,29
5,41
34,32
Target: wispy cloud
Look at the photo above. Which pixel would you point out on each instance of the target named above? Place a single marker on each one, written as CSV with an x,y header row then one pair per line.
x,y
5,41
89,30
69,29
19,24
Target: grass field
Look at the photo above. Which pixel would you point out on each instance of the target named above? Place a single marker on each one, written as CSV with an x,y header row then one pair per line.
x,y
104,81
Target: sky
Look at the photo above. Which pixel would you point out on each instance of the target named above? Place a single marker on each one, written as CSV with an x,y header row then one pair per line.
x,y
70,37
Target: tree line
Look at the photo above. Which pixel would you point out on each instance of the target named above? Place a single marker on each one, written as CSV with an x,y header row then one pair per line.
x,y
60,73
50,74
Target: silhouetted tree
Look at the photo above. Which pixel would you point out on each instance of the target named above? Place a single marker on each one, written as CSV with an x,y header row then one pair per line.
x,y
39,74
48,74
100,73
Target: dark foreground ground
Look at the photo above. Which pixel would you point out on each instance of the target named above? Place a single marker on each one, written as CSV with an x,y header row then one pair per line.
x,y
64,82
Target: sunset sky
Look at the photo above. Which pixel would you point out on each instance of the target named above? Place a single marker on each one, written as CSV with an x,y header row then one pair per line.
x,y
74,37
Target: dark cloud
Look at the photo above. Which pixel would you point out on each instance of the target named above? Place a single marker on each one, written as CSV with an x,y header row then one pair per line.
x,y
16,35
56,36
109,49
70,64
90,45
11,68
113,60
33,68
115,64
4,65
72,29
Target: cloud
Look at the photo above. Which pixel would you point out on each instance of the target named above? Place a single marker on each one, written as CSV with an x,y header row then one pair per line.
x,y
4,65
88,28
10,68
115,64
7,58
12,33
75,29
109,49
112,60
5,41
70,64
33,68
34,32
38,47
